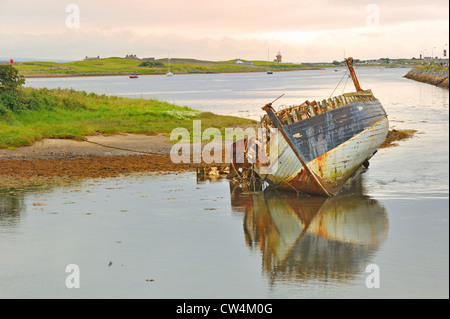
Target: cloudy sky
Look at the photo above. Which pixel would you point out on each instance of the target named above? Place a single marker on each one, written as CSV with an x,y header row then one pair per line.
x,y
304,31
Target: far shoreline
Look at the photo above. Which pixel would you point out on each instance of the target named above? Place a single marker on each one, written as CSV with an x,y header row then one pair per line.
x,y
29,76
56,75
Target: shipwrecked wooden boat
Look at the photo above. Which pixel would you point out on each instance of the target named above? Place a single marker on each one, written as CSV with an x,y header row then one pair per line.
x,y
321,144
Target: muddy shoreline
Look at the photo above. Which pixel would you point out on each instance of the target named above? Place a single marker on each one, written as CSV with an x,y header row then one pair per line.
x,y
106,156
62,161
90,167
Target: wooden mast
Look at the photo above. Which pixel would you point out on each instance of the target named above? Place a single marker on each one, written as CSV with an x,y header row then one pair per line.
x,y
353,74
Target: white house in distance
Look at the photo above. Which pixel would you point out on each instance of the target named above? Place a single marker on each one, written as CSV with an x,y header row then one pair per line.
x,y
91,58
239,61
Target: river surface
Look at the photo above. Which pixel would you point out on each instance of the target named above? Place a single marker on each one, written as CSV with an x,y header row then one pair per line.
x,y
174,236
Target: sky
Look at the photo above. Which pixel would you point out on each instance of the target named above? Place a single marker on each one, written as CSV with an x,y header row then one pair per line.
x,y
303,31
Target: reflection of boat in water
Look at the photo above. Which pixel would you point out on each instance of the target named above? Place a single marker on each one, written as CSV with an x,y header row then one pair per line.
x,y
312,237
11,204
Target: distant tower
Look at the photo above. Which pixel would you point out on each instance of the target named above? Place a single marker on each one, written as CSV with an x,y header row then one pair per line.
x,y
279,56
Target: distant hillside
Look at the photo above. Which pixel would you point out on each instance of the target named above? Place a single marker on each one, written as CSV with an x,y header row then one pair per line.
x,y
186,61
6,60
122,66
118,66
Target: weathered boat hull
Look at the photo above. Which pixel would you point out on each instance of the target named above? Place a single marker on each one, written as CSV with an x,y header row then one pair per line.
x,y
333,145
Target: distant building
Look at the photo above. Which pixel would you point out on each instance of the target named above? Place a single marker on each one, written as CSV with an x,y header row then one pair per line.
x,y
131,57
134,57
239,61
92,58
279,57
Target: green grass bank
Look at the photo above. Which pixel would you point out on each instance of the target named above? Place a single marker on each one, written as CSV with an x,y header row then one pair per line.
x,y
28,115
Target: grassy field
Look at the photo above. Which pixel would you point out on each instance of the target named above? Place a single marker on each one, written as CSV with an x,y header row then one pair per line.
x,y
126,66
28,115
110,65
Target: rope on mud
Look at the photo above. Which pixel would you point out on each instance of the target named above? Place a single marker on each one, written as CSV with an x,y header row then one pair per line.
x,y
122,149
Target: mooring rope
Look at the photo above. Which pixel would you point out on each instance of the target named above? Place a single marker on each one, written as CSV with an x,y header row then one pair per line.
x,y
343,90
122,149
338,84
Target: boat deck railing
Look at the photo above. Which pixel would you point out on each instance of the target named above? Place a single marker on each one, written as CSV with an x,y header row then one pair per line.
x,y
309,109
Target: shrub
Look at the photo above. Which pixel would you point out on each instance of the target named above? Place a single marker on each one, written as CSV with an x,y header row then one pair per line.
x,y
3,109
151,64
18,100
10,78
13,100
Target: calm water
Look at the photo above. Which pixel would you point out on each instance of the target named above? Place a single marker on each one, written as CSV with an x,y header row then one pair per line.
x,y
172,236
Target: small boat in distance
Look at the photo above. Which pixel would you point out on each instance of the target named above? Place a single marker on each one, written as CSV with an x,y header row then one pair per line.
x,y
169,74
268,70
134,76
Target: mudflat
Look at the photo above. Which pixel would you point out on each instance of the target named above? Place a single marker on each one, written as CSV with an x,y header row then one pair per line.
x,y
114,145
99,156
105,156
